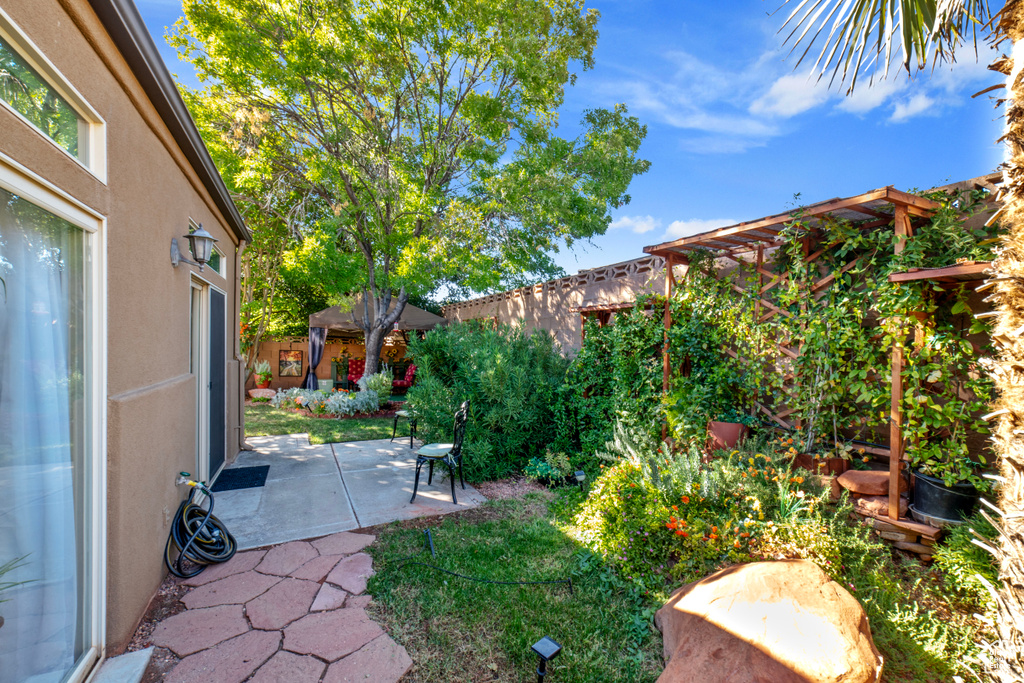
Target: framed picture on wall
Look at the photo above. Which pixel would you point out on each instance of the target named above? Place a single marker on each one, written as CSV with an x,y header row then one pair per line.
x,y
289,364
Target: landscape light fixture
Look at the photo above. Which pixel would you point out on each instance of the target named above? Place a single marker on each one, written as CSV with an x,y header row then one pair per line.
x,y
580,477
200,243
546,649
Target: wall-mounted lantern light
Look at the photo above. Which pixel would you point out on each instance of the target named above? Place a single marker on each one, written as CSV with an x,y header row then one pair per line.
x,y
200,244
547,649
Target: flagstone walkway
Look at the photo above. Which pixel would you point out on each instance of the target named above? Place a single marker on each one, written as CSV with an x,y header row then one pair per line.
x,y
293,613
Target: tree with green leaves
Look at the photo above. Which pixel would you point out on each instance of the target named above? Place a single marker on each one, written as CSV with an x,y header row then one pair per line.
x,y
869,35
425,128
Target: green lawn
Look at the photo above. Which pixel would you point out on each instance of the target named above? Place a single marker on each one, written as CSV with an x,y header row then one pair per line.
x,y
461,630
264,420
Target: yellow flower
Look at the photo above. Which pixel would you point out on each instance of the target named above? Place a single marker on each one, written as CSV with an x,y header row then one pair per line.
x,y
751,461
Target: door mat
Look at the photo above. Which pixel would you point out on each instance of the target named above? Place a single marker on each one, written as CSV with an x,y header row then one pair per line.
x,y
241,478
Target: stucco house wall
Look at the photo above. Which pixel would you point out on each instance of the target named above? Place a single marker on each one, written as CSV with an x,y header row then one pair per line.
x,y
151,191
555,305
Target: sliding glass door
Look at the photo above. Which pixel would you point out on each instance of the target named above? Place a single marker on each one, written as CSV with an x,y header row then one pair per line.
x,y
47,520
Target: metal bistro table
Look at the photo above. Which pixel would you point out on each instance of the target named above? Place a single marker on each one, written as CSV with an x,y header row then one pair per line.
x,y
407,414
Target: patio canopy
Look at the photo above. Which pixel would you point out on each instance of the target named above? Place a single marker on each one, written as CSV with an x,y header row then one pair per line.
x,y
340,318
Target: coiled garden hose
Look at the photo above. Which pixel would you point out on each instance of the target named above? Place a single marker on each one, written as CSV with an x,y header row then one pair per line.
x,y
197,535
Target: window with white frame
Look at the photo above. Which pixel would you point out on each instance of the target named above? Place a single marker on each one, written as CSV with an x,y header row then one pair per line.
x,y
35,91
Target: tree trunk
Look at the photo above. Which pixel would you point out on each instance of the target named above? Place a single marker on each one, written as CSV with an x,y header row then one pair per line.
x,y
1008,367
377,322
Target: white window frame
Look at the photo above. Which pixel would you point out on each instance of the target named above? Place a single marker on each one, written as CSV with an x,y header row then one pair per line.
x,y
92,129
17,179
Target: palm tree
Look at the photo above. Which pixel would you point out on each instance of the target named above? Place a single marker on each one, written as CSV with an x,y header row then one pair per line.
x,y
861,36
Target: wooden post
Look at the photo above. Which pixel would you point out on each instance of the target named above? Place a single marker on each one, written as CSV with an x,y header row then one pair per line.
x,y
903,230
670,281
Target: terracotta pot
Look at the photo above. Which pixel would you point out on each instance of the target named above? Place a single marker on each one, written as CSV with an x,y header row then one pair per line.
x,y
263,385
838,465
725,434
805,461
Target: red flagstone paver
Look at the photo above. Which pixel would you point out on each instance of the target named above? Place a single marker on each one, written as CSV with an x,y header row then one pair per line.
x,y
352,573
328,598
282,604
197,629
343,543
288,667
382,660
241,562
232,661
359,601
331,635
318,568
282,560
272,616
235,589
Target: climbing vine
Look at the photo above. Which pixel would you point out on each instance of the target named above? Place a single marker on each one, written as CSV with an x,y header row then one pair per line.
x,y
808,333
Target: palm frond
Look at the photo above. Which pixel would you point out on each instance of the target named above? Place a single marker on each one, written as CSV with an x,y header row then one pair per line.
x,y
857,36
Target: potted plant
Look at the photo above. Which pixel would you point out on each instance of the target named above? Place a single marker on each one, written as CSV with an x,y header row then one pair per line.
x,y
263,375
946,394
730,427
947,483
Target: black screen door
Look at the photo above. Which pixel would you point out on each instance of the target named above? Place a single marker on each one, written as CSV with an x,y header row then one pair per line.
x,y
218,405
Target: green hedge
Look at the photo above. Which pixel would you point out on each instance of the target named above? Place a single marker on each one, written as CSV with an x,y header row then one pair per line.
x,y
510,378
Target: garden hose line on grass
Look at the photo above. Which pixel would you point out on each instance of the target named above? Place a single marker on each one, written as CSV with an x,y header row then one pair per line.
x,y
197,535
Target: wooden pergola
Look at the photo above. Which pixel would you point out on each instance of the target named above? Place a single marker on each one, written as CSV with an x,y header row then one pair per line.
x,y
748,243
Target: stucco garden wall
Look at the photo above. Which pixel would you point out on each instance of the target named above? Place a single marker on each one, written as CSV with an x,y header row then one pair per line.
x,y
554,305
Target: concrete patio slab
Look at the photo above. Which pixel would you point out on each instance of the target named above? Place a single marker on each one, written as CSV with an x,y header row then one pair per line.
x,y
382,495
316,490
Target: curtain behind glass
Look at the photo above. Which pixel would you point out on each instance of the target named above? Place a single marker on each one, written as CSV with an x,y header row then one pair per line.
x,y
42,447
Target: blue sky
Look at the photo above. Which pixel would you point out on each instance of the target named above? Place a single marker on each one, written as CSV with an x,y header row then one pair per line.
x,y
734,132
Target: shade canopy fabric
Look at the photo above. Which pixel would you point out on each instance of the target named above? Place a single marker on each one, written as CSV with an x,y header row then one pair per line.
x,y
340,317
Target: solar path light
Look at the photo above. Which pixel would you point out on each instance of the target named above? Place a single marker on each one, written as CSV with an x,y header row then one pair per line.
x,y
546,649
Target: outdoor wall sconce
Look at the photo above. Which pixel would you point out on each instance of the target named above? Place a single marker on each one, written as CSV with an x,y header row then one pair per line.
x,y
546,649
200,243
580,477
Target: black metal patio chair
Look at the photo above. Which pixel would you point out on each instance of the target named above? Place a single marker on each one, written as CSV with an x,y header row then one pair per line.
x,y
448,453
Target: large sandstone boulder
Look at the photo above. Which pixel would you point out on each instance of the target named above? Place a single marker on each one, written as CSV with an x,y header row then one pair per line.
x,y
767,622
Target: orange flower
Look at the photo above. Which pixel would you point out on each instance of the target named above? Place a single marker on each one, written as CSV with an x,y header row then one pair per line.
x,y
745,535
686,499
683,522
789,441
674,507
714,529
713,537
602,467
670,525
736,544
682,533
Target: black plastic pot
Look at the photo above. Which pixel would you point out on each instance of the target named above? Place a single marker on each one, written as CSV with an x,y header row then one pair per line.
x,y
932,498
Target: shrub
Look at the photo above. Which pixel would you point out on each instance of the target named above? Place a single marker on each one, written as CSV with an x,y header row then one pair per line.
x,y
509,377
338,403
616,376
379,383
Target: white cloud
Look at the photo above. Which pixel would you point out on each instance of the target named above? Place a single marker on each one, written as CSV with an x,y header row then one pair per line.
x,y
637,224
790,95
721,144
868,96
696,226
918,104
